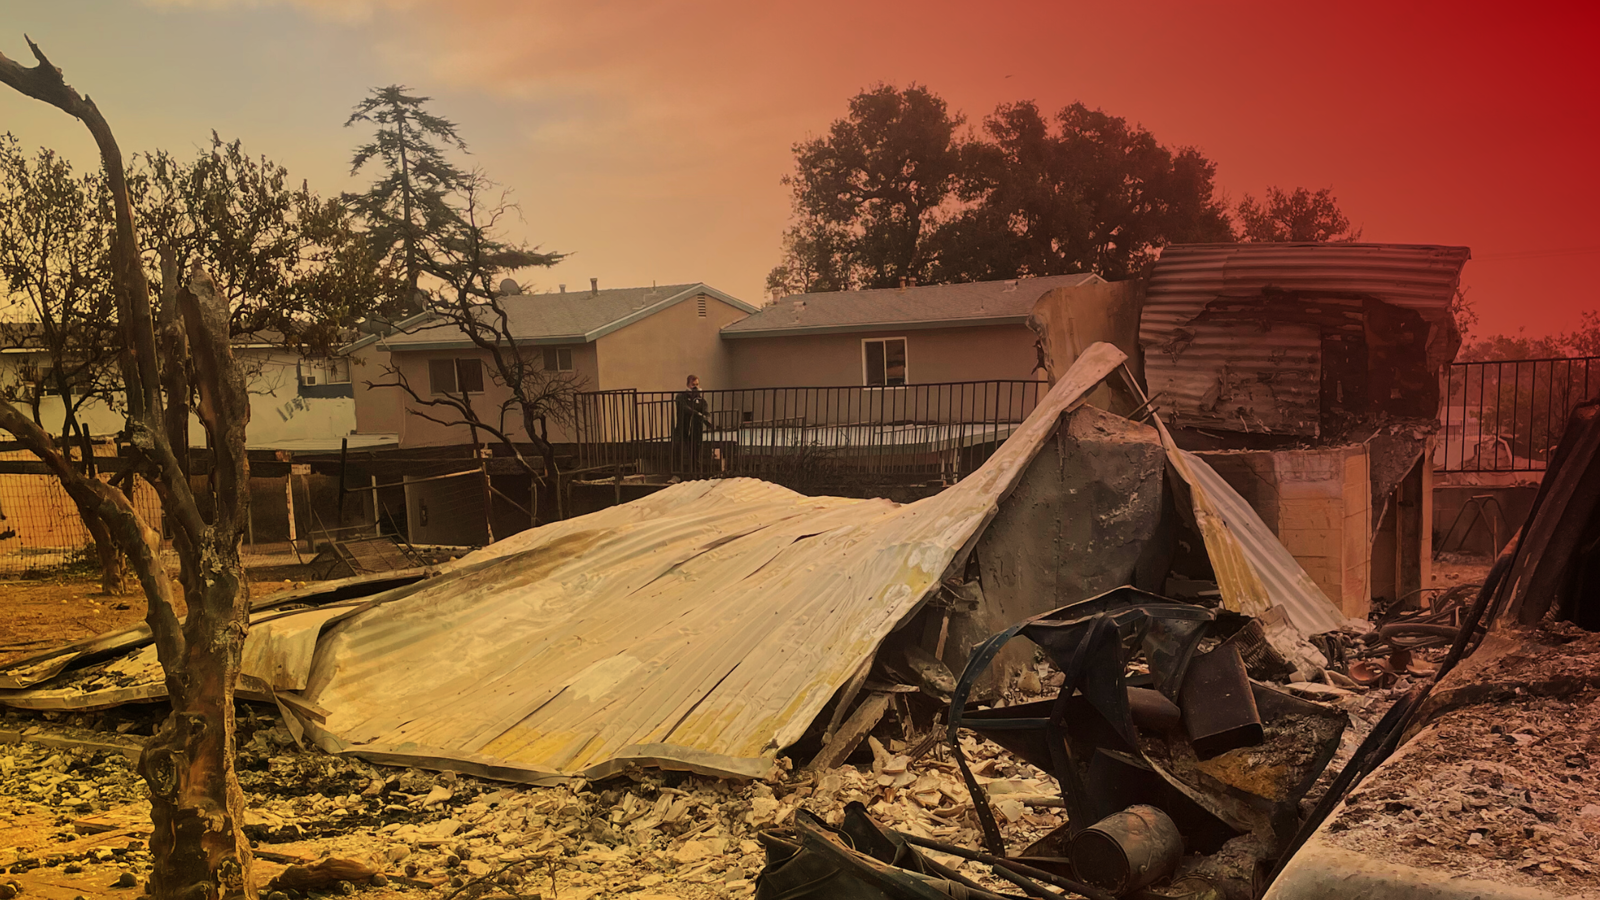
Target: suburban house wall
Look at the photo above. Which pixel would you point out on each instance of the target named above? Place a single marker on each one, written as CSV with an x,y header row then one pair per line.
x,y
416,431
279,410
659,352
933,355
378,410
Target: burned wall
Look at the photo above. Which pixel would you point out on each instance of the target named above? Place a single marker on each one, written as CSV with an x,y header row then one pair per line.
x,y
1087,516
1300,364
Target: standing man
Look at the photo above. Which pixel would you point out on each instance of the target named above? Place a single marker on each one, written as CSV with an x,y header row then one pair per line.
x,y
689,421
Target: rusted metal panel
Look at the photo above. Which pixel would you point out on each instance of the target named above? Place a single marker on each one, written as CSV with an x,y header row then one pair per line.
x,y
1422,277
1256,380
1221,363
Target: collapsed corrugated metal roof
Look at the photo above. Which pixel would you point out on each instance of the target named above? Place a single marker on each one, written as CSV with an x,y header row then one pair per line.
x,y
703,627
1266,337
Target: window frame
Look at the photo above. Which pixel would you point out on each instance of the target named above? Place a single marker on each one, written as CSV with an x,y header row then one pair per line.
x,y
323,371
455,388
866,376
555,352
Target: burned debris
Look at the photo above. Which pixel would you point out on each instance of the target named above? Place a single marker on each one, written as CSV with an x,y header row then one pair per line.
x,y
542,658
1091,668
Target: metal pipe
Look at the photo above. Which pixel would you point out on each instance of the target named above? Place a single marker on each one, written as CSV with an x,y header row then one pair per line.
x,y
1093,893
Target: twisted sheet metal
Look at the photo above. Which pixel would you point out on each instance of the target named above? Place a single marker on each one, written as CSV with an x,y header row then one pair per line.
x,y
703,627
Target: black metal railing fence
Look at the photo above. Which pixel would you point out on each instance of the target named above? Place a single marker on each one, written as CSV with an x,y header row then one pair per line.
x,y
910,432
1509,415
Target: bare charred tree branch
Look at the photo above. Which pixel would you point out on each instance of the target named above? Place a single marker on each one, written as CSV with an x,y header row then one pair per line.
x,y
196,805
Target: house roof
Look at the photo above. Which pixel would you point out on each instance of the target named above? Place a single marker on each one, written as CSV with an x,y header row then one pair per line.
x,y
927,306
578,317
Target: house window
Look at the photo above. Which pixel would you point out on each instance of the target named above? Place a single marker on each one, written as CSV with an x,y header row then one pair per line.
x,y
884,361
558,359
333,370
700,305
41,382
455,376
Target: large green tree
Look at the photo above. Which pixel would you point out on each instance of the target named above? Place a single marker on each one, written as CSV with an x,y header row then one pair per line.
x,y
409,201
868,194
898,190
293,265
1086,192
1298,215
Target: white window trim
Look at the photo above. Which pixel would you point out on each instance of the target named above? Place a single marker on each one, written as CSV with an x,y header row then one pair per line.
x,y
884,387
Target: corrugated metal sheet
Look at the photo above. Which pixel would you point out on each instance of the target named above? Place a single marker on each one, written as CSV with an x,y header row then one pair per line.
x,y
1269,377
703,627
1256,574
1269,381
276,656
1188,276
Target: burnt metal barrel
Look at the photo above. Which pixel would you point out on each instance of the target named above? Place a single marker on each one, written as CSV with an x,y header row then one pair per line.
x,y
1128,850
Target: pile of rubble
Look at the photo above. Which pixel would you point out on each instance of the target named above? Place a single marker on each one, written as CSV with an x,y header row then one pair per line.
x,y
652,832
1503,783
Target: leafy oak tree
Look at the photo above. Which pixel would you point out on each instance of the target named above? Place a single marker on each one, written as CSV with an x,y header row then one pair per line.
x,y
897,190
869,193
1300,215
1084,192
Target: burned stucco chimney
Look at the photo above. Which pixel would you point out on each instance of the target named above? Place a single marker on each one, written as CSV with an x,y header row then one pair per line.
x,y
594,286
902,282
563,289
913,280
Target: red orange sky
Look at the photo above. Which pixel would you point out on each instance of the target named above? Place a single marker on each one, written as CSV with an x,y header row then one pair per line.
x,y
648,137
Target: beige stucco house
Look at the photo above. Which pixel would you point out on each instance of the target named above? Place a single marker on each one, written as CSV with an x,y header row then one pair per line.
x,y
897,336
642,338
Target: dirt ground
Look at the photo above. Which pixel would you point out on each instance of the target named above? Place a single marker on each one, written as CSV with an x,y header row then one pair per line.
x,y
1451,569
37,614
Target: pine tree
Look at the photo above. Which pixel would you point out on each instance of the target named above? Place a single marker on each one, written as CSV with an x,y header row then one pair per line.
x,y
410,201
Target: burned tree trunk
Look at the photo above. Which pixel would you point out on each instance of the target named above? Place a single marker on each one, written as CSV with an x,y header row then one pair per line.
x,y
197,808
106,553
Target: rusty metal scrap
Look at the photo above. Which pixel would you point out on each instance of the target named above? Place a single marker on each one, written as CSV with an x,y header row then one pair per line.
x,y
1250,754
1251,337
